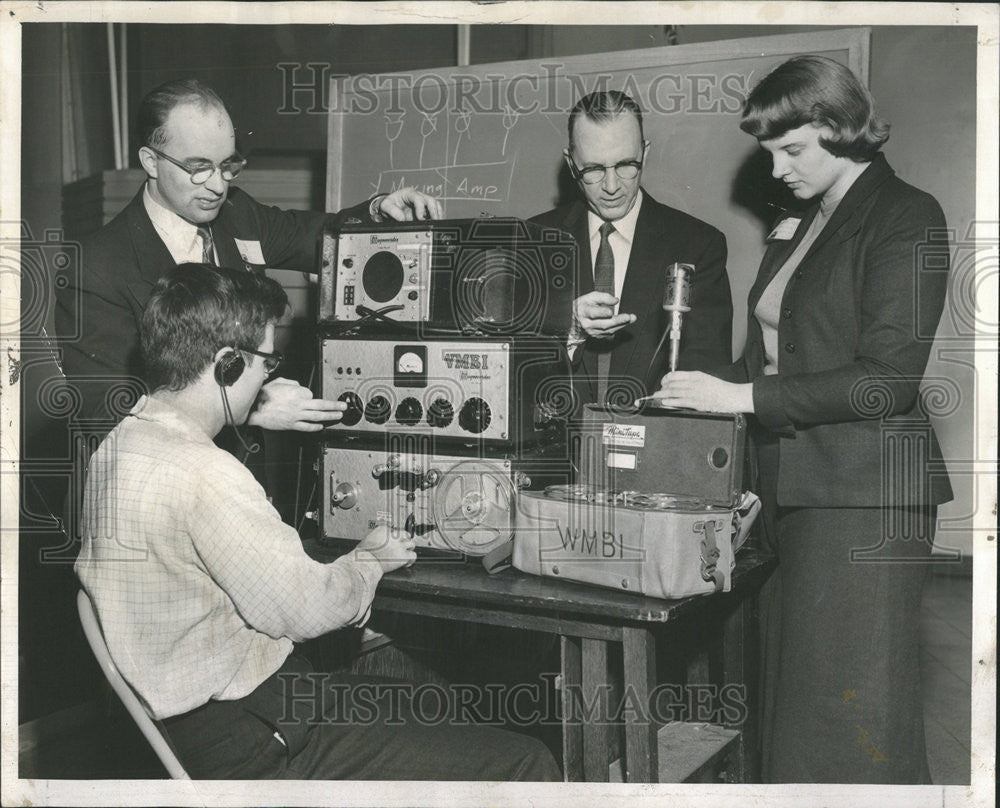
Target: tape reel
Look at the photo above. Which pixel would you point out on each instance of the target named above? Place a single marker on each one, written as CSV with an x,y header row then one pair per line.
x,y
473,507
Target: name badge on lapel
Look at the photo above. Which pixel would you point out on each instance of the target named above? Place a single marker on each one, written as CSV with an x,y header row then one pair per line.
x,y
250,252
783,230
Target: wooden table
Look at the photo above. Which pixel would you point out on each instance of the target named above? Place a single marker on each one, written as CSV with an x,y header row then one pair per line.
x,y
587,620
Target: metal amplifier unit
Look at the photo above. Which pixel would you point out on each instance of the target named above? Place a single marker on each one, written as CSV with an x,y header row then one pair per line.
x,y
482,390
447,502
495,276
662,452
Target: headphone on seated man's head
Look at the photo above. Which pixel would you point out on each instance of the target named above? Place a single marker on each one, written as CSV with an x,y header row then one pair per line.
x,y
229,368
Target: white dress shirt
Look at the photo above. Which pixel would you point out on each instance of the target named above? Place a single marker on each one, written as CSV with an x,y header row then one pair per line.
x,y
621,248
179,235
200,588
620,241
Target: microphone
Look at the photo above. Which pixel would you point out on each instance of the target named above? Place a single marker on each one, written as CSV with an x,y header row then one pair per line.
x,y
677,301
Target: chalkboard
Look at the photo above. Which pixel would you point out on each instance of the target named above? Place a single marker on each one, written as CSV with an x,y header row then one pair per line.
x,y
488,139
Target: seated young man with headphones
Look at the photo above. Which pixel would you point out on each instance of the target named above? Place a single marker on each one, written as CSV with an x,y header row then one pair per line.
x,y
202,591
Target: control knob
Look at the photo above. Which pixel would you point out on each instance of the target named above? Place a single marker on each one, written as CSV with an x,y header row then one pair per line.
x,y
409,412
440,413
475,416
355,408
378,410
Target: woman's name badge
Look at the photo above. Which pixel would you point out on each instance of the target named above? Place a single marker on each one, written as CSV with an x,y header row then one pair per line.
x,y
784,230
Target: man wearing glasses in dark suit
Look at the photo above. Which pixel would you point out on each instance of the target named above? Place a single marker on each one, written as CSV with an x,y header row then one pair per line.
x,y
627,240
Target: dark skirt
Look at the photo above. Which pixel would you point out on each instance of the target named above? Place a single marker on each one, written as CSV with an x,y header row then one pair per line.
x,y
841,697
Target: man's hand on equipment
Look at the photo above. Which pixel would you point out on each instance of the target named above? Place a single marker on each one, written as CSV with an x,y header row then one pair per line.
x,y
392,548
594,315
286,404
408,204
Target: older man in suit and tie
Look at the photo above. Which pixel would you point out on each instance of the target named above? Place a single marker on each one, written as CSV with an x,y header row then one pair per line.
x,y
627,240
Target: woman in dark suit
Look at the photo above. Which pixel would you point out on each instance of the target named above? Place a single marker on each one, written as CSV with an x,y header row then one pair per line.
x,y
841,317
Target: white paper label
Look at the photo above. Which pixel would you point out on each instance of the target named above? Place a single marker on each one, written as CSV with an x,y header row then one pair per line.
x,y
624,435
621,460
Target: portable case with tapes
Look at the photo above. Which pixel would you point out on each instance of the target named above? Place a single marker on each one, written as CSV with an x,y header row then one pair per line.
x,y
658,509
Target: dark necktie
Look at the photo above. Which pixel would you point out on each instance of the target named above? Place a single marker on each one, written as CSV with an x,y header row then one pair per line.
x,y
207,253
604,281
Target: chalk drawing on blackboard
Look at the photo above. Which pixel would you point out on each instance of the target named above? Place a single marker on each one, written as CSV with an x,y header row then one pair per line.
x,y
469,182
393,127
510,117
462,121
428,126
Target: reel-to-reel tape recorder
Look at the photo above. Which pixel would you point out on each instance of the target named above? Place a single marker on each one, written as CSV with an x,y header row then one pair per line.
x,y
445,501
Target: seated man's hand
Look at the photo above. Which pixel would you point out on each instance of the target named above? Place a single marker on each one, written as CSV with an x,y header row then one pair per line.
x,y
408,204
286,404
392,548
594,315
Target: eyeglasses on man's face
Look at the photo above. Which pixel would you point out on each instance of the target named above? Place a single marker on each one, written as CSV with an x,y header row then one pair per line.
x,y
271,360
201,171
593,174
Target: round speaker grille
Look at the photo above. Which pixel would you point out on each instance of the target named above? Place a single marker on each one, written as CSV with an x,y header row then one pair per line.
x,y
382,277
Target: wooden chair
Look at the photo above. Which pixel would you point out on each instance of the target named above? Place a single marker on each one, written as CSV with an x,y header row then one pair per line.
x,y
150,728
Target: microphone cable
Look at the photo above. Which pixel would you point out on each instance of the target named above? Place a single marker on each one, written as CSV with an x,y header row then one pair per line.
x,y
659,347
